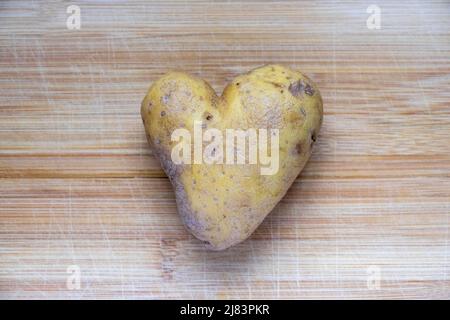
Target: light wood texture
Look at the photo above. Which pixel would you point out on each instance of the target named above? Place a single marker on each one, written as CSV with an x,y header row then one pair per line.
x,y
79,185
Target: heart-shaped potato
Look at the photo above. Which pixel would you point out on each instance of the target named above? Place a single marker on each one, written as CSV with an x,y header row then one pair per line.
x,y
222,203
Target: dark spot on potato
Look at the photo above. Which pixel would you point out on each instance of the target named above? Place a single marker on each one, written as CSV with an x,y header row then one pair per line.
x,y
282,91
163,113
309,90
299,87
237,83
298,147
276,85
209,117
313,139
165,99
296,88
303,111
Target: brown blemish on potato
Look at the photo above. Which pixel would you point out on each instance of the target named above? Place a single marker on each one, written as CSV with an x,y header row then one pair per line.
x,y
208,116
276,85
296,88
299,87
163,113
313,138
294,117
298,148
309,90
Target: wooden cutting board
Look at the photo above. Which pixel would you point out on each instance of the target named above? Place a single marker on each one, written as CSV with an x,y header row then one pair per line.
x,y
82,195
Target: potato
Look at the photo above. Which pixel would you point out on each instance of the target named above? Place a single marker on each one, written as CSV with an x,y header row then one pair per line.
x,y
222,203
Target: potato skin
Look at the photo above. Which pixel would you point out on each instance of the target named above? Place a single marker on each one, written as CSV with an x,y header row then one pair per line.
x,y
223,204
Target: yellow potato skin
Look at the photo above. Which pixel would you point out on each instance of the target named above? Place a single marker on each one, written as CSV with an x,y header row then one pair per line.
x,y
223,204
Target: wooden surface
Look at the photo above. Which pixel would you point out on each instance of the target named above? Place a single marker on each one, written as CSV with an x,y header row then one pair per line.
x,y
79,185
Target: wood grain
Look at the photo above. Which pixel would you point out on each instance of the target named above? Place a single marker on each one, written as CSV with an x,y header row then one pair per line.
x,y
79,185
